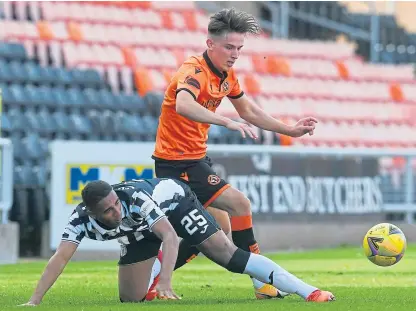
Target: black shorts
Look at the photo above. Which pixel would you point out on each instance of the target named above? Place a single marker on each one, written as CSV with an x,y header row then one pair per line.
x,y
198,174
139,251
192,222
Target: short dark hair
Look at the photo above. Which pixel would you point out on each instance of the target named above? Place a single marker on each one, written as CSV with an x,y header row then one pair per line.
x,y
231,20
94,192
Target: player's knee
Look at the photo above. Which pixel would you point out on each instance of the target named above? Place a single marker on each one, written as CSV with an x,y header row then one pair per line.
x,y
238,261
132,296
222,218
226,226
242,203
131,300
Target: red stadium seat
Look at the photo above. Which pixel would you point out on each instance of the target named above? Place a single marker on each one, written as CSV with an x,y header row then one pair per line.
x,y
45,31
74,31
357,103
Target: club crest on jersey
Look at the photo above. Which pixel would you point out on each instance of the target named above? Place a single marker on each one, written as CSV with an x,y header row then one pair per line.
x,y
213,180
225,86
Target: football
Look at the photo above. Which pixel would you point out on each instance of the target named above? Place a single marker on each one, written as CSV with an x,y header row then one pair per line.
x,y
384,244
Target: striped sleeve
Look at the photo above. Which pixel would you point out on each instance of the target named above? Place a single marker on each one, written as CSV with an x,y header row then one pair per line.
x,y
145,207
191,81
75,230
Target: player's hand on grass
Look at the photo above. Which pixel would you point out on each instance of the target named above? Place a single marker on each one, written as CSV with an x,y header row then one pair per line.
x,y
303,126
165,292
243,128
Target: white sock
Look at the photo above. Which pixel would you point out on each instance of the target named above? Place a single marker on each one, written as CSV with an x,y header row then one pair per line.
x,y
266,270
155,271
256,283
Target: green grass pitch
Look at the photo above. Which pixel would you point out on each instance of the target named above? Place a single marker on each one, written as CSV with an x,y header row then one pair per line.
x,y
357,284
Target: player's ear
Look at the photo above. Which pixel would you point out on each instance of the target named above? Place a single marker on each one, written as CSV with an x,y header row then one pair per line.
x,y
210,43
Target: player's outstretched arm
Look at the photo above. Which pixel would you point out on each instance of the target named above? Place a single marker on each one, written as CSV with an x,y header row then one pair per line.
x,y
52,271
164,231
253,114
187,107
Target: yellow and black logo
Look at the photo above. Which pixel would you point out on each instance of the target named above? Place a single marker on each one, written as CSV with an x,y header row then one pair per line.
x,y
78,175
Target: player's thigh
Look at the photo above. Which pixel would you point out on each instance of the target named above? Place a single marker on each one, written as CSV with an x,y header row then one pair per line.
x,y
205,183
135,267
233,201
221,217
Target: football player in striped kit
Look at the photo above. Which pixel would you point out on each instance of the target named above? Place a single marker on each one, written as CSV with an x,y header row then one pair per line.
x,y
144,215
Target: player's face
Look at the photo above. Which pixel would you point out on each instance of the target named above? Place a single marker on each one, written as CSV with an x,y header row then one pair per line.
x,y
109,210
226,50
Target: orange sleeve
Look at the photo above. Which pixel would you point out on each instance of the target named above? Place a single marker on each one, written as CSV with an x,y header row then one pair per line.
x,y
192,81
236,91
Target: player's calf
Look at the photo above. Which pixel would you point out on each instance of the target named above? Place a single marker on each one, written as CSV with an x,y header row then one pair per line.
x,y
219,249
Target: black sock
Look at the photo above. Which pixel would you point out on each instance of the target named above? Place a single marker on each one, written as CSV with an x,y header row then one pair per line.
x,y
245,240
186,253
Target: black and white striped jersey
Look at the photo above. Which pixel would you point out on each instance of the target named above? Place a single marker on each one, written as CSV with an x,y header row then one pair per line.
x,y
144,203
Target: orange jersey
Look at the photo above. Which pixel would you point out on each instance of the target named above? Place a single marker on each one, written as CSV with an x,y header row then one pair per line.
x,y
179,138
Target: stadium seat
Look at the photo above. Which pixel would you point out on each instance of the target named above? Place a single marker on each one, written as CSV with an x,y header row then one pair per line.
x,y
63,122
33,147
63,76
215,134
6,126
48,124
106,98
93,117
17,119
32,123
34,95
46,95
132,103
120,124
5,75
7,95
91,98
19,150
153,102
136,130
60,98
86,78
12,51
47,75
18,72
76,99
33,72
107,122
149,123
81,124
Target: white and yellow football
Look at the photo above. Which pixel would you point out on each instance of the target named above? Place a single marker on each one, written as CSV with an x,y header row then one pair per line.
x,y
384,244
